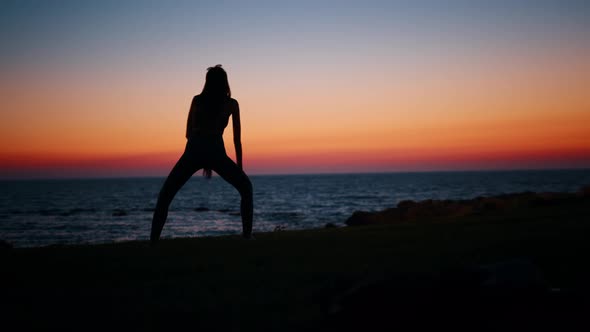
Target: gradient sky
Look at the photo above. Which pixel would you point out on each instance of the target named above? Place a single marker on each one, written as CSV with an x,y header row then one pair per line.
x,y
102,88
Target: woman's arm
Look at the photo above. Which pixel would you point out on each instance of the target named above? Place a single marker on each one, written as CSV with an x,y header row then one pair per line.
x,y
237,133
189,121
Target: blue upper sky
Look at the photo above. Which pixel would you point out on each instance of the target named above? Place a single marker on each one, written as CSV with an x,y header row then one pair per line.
x,y
54,32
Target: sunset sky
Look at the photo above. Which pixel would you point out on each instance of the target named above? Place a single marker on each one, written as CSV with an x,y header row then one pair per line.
x,y
102,88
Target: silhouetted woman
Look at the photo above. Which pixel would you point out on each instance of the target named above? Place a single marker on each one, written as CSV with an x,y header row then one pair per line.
x,y
208,116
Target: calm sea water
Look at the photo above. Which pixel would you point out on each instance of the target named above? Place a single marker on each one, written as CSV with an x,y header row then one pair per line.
x,y
44,212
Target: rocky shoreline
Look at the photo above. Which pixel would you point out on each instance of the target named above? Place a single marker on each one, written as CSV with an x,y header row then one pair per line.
x,y
444,210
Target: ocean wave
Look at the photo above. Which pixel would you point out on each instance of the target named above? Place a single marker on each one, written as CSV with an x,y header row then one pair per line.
x,y
50,212
119,213
283,215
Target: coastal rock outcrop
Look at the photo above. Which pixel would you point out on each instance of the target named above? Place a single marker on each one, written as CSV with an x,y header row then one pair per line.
x,y
409,211
4,245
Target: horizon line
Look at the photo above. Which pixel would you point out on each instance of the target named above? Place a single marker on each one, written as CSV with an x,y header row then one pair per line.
x,y
497,170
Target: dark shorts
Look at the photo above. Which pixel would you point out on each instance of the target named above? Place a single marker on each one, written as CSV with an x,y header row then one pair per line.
x,y
205,150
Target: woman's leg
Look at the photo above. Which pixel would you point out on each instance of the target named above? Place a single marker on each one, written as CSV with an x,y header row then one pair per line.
x,y
235,176
182,171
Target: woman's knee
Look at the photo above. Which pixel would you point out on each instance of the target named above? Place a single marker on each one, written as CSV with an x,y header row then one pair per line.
x,y
164,197
246,187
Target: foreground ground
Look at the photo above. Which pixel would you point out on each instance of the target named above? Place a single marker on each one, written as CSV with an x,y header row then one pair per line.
x,y
354,278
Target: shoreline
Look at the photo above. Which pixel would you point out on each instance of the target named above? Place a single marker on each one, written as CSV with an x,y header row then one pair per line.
x,y
328,279
163,176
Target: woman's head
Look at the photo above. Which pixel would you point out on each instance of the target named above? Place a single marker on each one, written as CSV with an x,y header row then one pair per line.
x,y
216,83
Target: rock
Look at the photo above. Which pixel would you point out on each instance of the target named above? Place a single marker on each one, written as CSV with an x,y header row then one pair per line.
x,y
585,191
279,228
119,213
432,210
550,198
486,204
358,218
406,205
437,208
363,218
4,245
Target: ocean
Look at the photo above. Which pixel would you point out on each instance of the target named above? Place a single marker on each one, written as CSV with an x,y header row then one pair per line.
x,y
47,212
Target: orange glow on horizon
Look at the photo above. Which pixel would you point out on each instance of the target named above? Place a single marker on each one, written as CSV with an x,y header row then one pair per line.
x,y
159,164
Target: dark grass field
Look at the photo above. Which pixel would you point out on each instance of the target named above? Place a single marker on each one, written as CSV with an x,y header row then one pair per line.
x,y
389,277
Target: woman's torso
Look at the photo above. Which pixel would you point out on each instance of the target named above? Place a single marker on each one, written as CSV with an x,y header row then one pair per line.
x,y
208,119
210,115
